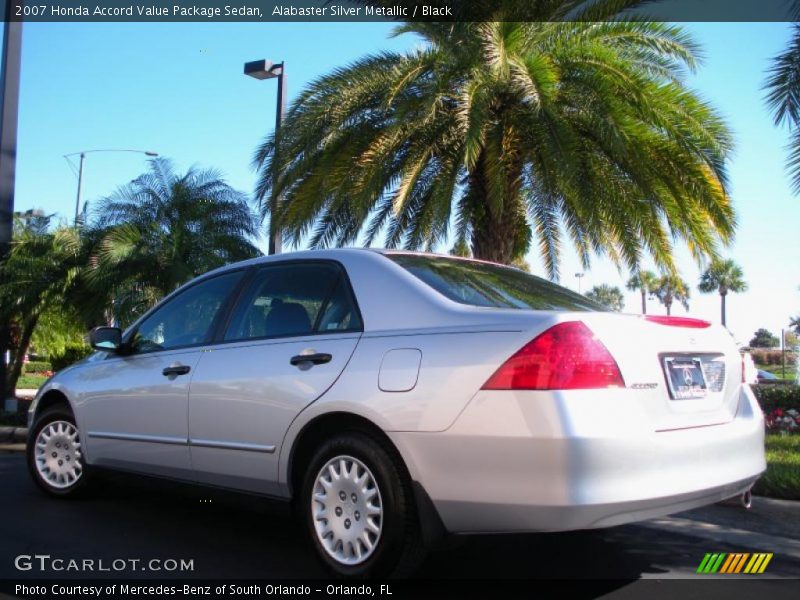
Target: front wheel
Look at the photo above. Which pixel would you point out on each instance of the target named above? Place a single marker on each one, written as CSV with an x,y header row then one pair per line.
x,y
55,455
359,508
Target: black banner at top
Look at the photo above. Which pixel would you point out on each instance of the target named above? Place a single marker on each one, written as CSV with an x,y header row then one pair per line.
x,y
399,10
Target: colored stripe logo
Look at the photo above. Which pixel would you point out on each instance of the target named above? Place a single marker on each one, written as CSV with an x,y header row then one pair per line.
x,y
735,562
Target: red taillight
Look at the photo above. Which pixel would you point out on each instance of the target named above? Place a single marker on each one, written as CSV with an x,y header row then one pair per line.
x,y
565,357
679,321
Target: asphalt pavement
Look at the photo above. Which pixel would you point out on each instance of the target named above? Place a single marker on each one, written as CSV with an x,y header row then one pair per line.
x,y
231,537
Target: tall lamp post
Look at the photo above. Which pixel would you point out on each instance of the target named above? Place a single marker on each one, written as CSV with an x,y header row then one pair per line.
x,y
264,69
83,154
9,103
579,276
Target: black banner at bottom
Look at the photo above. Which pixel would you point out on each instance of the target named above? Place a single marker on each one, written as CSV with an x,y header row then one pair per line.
x,y
651,589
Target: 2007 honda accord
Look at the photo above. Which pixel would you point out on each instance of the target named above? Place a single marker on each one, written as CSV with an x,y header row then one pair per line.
x,y
395,397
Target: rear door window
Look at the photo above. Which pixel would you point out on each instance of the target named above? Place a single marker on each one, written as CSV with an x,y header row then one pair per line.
x,y
294,299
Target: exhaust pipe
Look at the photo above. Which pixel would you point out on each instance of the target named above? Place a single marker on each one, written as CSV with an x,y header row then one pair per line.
x,y
743,500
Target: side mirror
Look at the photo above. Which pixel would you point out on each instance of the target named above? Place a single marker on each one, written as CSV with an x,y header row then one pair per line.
x,y
106,339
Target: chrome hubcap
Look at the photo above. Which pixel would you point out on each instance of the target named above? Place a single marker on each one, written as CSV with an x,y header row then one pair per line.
x,y
58,454
347,510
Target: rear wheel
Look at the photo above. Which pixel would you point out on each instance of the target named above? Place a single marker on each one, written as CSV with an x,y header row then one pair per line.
x,y
359,508
55,454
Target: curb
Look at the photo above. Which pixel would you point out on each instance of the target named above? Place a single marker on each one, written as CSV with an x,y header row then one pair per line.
x,y
13,435
12,447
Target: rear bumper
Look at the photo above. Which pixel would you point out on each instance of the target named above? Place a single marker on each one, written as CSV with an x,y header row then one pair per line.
x,y
538,461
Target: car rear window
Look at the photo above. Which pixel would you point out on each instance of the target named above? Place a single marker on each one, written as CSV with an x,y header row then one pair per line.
x,y
482,284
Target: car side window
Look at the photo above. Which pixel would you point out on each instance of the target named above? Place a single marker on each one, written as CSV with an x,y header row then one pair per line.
x,y
291,300
188,318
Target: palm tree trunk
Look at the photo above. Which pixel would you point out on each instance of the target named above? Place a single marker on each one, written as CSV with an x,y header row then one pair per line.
x,y
722,304
494,236
669,308
18,357
644,301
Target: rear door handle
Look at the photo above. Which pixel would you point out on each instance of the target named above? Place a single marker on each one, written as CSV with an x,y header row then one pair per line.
x,y
319,358
176,370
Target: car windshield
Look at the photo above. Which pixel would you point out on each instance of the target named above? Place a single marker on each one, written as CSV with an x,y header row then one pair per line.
x,y
482,284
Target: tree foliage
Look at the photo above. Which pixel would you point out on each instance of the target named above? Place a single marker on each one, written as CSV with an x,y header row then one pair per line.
x,y
607,295
507,135
671,289
763,338
165,228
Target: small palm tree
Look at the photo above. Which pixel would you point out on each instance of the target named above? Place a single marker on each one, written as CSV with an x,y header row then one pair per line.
x,y
44,269
607,295
671,288
515,132
165,228
722,276
794,323
645,282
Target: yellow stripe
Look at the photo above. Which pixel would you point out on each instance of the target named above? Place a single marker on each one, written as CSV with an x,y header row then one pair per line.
x,y
728,561
741,563
765,563
753,564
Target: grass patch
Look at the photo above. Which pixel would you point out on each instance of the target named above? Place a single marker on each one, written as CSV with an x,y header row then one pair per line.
x,y
31,381
777,370
782,479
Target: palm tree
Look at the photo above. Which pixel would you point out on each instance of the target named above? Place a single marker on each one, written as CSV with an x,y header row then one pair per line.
x,y
508,131
794,324
607,295
671,288
43,270
722,276
165,228
783,95
645,282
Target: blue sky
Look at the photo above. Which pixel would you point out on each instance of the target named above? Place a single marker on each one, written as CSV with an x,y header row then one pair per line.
x,y
178,89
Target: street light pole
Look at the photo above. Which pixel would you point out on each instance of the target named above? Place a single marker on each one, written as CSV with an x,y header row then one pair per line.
x,y
9,104
264,69
80,184
83,154
579,276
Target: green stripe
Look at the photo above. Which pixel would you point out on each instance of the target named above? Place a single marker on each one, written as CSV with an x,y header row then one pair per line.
x,y
702,566
718,564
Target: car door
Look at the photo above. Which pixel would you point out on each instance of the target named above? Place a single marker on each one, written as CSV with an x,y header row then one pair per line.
x,y
289,337
133,406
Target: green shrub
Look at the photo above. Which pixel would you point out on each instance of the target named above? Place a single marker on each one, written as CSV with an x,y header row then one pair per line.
x,y
764,356
72,354
771,397
37,366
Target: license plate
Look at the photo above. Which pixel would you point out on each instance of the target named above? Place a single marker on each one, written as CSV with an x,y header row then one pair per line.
x,y
685,377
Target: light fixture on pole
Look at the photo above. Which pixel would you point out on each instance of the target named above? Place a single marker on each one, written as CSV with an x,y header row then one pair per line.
x,y
82,155
264,69
579,276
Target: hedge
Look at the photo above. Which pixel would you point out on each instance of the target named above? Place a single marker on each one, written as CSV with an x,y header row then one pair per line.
x,y
771,397
72,353
37,366
765,356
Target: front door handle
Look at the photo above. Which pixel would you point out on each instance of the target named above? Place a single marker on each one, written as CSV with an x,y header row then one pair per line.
x,y
176,370
319,358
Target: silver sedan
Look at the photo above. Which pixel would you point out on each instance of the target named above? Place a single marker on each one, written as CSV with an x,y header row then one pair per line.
x,y
396,397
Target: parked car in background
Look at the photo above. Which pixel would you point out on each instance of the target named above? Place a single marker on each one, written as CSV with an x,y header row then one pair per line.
x,y
397,397
766,376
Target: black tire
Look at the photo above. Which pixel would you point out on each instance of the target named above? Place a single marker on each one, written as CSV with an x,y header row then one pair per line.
x,y
69,489
399,549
